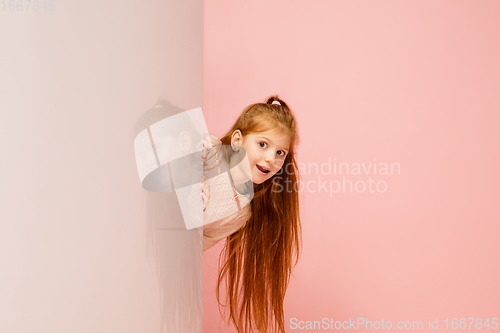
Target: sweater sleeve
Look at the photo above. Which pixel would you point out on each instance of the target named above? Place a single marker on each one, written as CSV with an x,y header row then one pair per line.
x,y
215,231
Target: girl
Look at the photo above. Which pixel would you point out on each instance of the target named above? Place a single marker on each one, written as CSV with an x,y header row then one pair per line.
x,y
263,238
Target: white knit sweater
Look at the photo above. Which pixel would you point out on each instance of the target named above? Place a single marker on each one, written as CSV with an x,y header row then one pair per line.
x,y
226,213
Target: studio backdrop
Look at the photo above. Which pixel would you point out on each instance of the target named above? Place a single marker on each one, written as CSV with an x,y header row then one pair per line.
x,y
397,111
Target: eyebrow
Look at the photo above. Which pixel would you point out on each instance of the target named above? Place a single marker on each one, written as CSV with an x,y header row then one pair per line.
x,y
263,137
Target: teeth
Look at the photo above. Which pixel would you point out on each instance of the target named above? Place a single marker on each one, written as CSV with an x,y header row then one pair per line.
x,y
263,169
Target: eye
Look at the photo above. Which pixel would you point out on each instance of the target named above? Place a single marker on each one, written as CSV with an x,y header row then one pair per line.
x,y
282,153
262,144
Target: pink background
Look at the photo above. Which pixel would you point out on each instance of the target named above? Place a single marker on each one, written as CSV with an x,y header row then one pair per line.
x,y
408,82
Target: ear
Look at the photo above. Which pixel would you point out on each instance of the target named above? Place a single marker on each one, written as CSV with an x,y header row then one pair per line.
x,y
236,137
184,141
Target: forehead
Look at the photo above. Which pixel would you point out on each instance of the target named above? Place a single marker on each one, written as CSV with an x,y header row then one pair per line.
x,y
280,139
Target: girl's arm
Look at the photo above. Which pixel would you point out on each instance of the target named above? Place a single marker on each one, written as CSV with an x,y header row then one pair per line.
x,y
215,231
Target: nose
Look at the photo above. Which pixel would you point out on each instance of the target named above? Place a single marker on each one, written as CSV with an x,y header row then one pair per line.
x,y
270,159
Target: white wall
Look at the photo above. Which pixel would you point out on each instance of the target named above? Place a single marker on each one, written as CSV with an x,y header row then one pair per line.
x,y
77,232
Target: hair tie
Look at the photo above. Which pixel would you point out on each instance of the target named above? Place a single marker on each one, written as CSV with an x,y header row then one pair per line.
x,y
276,102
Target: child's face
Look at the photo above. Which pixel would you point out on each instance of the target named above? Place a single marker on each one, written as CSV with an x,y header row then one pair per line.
x,y
266,153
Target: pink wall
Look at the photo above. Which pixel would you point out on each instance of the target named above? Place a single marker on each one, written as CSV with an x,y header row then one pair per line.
x,y
407,82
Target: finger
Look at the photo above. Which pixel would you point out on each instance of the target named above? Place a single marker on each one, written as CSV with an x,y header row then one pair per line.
x,y
206,148
210,159
207,144
211,155
208,167
209,152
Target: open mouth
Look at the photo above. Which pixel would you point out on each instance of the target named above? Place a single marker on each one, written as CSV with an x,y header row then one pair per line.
x,y
262,169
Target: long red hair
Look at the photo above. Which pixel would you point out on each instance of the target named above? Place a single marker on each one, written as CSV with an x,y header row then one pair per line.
x,y
257,260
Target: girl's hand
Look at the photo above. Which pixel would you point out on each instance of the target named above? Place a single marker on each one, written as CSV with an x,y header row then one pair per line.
x,y
205,192
209,151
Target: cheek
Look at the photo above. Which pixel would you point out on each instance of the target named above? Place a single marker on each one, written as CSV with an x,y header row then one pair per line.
x,y
253,156
278,164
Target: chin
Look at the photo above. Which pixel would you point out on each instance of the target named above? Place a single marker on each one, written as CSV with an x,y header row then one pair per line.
x,y
255,181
